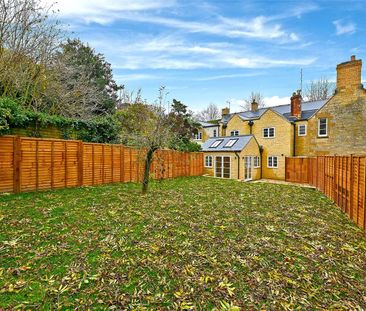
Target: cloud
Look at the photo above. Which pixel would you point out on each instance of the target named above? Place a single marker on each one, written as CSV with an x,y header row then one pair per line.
x,y
229,76
343,27
170,52
276,101
257,27
106,11
136,76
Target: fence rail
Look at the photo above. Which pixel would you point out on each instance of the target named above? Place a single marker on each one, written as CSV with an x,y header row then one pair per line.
x,y
31,164
341,178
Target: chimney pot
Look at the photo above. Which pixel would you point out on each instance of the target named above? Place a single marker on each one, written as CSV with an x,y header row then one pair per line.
x,y
296,104
353,58
254,106
225,111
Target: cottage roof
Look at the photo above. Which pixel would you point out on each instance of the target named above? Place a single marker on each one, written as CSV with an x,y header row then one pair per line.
x,y
308,109
208,124
227,143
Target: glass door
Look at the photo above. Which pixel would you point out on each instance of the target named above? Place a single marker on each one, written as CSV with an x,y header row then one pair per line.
x,y
218,167
248,165
222,167
226,167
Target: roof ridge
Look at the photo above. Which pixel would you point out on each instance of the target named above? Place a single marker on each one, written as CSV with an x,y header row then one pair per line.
x,y
282,105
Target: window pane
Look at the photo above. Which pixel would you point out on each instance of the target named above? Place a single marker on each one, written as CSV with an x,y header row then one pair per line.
x,y
271,132
216,143
270,161
323,126
265,132
302,129
274,161
231,143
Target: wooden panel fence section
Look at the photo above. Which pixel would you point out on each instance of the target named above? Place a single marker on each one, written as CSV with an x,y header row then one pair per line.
x,y
31,164
341,178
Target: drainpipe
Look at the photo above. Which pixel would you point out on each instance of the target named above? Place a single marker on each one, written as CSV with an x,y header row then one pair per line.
x,y
261,152
250,123
224,130
238,156
294,142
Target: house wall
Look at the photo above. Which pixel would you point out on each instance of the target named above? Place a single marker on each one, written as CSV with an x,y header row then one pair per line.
x,y
301,142
281,145
209,132
346,114
251,149
236,123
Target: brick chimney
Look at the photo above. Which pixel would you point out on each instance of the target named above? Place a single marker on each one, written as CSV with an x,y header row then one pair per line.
x,y
296,104
254,106
349,75
225,111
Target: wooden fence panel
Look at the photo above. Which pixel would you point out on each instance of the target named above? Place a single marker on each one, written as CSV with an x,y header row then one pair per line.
x,y
7,150
31,164
341,178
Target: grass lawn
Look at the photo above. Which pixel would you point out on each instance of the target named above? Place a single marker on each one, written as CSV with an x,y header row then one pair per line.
x,y
191,243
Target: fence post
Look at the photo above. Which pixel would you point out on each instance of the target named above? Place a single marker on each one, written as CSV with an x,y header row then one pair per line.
x,y
17,153
351,187
122,163
364,192
81,162
65,166
334,177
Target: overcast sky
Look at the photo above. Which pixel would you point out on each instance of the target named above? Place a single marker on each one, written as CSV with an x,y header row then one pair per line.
x,y
218,51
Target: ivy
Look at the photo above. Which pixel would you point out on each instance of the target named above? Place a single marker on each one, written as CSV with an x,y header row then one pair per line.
x,y
99,130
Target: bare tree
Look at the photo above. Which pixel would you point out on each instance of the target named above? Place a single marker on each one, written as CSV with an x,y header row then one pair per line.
x,y
28,38
254,97
319,89
212,112
146,127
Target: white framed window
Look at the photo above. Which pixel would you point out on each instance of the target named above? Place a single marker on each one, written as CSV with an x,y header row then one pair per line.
x,y
301,130
198,136
216,143
208,161
272,162
231,143
234,133
256,162
214,133
322,127
269,132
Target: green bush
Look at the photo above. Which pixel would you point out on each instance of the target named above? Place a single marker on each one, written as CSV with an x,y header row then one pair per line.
x,y
99,130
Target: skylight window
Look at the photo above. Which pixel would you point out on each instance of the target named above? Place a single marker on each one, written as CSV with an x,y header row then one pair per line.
x,y
216,143
230,143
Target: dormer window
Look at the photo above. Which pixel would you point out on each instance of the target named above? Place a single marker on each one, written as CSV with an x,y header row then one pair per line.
x,y
234,133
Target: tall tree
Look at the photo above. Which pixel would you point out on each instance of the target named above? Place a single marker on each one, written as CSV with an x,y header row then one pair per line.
x,y
319,89
212,112
95,70
183,126
254,97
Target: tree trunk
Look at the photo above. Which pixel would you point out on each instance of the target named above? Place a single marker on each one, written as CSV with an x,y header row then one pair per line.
x,y
148,161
